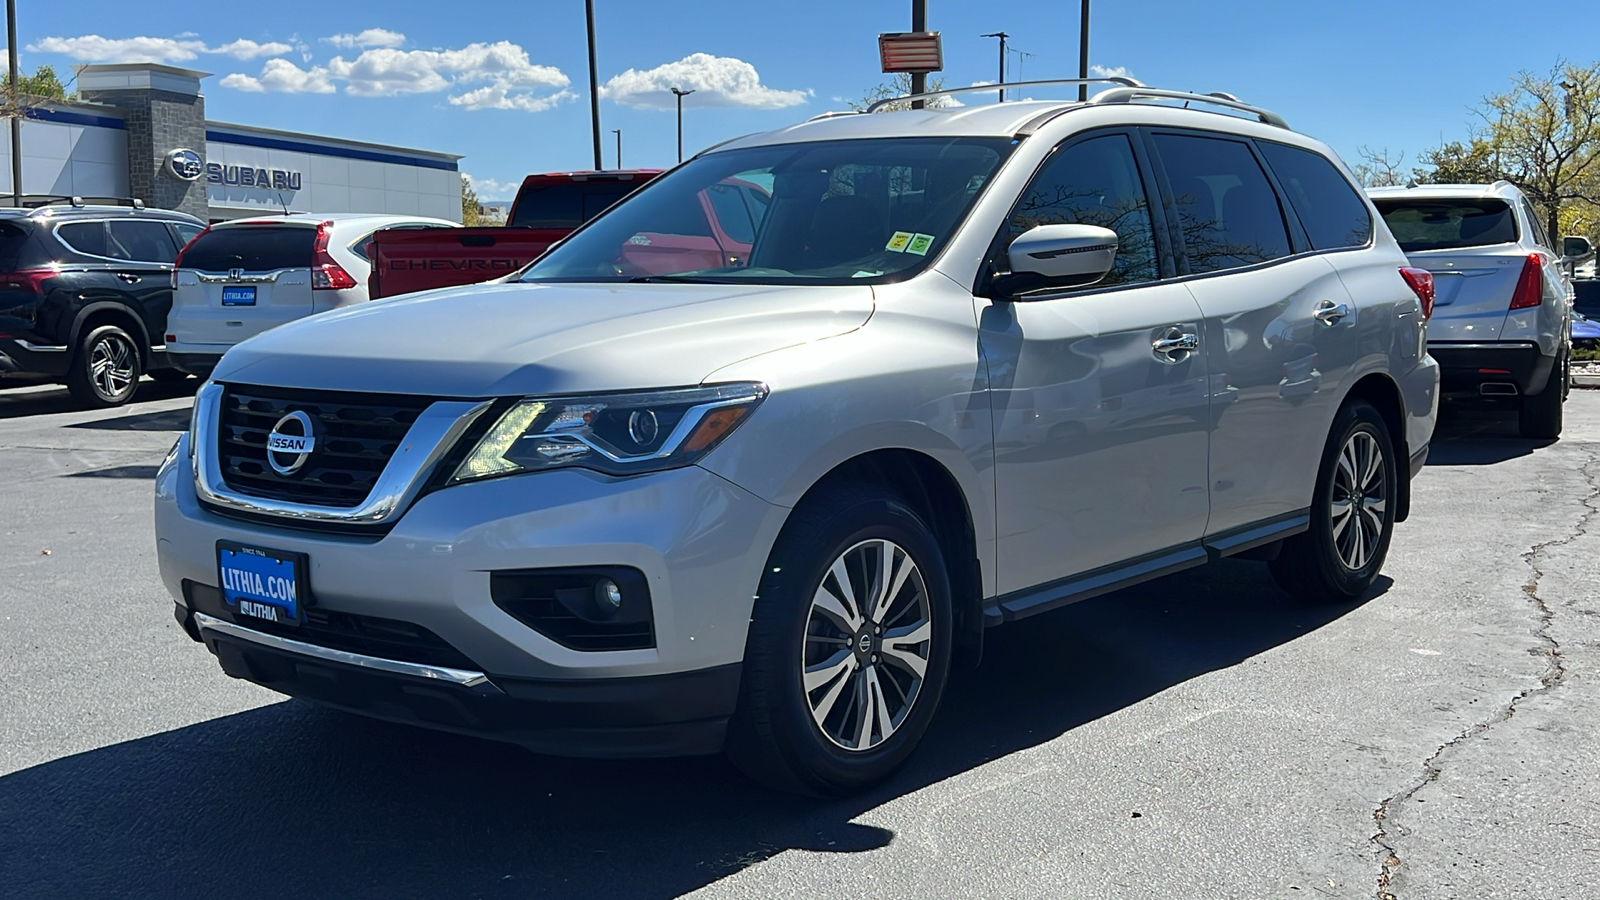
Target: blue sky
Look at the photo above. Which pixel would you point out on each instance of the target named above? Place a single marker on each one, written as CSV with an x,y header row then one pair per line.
x,y
505,83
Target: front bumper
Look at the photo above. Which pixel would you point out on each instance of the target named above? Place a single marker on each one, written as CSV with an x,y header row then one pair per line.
x,y
1461,366
699,540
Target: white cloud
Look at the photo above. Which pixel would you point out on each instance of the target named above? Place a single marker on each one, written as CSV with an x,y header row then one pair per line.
x,y
1110,72
498,96
492,189
281,76
372,37
716,81
245,48
94,48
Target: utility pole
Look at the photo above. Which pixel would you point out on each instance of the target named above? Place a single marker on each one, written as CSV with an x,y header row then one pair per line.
x,y
680,95
1083,52
919,23
594,84
15,103
1002,36
618,133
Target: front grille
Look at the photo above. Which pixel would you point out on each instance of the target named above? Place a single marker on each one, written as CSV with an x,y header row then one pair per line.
x,y
358,433
352,633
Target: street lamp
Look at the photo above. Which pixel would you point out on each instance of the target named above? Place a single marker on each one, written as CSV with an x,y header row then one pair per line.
x,y
618,133
594,86
1083,53
680,95
1002,36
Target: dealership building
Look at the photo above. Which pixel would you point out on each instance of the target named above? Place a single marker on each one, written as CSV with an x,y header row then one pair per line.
x,y
140,131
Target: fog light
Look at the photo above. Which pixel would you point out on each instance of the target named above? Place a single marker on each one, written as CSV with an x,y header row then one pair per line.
x,y
607,595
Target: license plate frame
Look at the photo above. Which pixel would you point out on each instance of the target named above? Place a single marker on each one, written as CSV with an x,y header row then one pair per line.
x,y
250,592
239,295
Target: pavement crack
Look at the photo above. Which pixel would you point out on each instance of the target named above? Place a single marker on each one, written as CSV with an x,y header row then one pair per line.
x,y
1555,669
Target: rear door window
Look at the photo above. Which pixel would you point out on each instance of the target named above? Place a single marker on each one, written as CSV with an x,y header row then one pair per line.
x,y
1447,224
84,237
1226,208
140,241
254,248
1330,210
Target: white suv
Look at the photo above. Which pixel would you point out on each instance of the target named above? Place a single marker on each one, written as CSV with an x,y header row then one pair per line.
x,y
242,277
975,364
1502,317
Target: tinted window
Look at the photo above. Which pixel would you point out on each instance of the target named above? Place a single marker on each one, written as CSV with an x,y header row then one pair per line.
x,y
13,244
567,205
728,204
1095,182
1330,210
140,241
186,233
254,248
1226,208
84,237
1445,224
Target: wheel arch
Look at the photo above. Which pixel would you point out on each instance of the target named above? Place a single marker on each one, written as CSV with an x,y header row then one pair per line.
x,y
1384,394
107,312
933,491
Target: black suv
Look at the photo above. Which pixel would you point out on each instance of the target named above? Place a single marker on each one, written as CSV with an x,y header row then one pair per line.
x,y
84,295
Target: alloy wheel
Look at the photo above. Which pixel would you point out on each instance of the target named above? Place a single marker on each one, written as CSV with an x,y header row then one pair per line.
x,y
111,365
1358,500
867,644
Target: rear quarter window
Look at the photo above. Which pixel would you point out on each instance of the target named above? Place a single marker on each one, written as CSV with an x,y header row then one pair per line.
x,y
1331,211
567,205
15,252
254,248
1447,224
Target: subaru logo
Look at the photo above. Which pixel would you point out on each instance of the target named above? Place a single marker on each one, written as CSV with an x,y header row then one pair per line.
x,y
290,443
185,165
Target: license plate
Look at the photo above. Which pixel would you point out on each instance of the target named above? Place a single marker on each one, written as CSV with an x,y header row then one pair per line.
x,y
239,296
262,584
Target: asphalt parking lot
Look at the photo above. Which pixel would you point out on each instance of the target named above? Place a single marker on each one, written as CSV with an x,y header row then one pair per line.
x,y
1198,736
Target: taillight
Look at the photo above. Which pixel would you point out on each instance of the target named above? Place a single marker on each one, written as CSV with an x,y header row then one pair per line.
x,y
1421,283
178,263
1530,287
326,274
29,281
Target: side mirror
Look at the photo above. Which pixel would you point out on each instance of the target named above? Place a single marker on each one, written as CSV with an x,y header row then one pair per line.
x,y
1059,256
1575,249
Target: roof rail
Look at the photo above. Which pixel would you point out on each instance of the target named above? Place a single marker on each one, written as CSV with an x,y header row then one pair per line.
x,y
39,201
1228,101
1126,83
833,115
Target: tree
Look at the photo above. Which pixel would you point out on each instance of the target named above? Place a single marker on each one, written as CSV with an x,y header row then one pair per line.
x,y
1379,168
42,83
899,86
1455,162
471,212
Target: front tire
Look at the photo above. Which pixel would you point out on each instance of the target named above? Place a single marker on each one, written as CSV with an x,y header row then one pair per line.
x,y
1539,417
105,369
849,646
1352,513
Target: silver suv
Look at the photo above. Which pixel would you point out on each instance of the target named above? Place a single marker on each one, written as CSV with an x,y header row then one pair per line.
x,y
662,494
1501,319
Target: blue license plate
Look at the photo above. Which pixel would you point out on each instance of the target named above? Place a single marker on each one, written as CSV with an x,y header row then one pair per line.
x,y
262,584
239,296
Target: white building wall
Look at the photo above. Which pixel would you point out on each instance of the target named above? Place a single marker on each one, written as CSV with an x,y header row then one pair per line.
x,y
67,160
328,184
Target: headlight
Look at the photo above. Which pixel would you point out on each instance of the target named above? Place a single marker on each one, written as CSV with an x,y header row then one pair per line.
x,y
619,434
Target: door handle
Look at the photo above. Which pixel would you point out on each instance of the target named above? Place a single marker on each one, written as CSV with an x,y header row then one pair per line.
x,y
1329,312
129,277
1175,343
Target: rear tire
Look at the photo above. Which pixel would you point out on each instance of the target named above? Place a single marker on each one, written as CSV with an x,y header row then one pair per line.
x,y
838,688
1352,513
1539,417
105,368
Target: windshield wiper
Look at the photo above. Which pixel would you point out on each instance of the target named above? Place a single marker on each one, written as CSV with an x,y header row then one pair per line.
x,y
672,279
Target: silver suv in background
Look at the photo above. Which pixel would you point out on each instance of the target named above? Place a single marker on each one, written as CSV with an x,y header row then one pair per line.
x,y
1503,300
974,364
242,277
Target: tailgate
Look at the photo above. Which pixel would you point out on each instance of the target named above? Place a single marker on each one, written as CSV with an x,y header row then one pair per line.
x,y
225,309
1472,292
410,260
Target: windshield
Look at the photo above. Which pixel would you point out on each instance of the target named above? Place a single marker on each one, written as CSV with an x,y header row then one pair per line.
x,y
830,212
1447,224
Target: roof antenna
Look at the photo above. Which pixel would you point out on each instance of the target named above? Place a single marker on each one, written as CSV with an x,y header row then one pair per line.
x,y
281,203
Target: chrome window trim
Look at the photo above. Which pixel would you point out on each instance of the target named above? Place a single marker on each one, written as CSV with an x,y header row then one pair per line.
x,y
462,677
431,436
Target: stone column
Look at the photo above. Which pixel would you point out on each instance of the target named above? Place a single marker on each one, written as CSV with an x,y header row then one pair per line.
x,y
166,113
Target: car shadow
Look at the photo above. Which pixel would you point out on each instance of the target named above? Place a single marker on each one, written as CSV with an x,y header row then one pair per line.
x,y
1478,433
294,800
16,404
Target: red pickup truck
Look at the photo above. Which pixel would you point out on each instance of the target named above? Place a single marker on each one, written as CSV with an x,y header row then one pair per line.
x,y
547,208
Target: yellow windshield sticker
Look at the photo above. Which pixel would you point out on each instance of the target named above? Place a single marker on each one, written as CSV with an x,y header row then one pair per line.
x,y
899,241
920,244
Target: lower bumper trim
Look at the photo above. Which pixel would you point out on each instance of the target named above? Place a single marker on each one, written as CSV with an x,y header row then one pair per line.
x,y
392,666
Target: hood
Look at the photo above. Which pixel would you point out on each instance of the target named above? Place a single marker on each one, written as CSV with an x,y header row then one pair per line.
x,y
489,340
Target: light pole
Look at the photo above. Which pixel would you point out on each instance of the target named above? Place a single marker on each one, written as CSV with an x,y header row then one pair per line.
x,y
919,23
1083,52
618,133
16,107
680,95
1002,36
594,86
